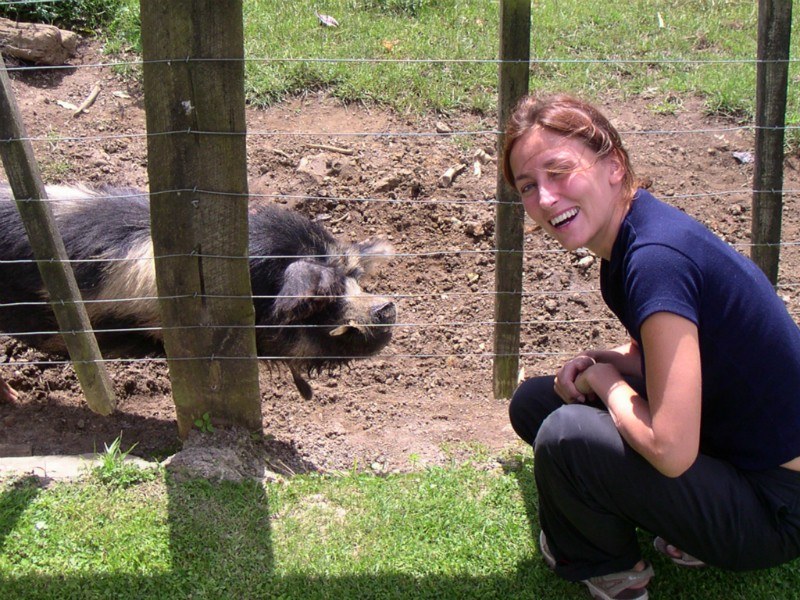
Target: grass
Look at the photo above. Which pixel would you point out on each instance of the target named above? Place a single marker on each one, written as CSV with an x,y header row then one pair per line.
x,y
459,533
595,49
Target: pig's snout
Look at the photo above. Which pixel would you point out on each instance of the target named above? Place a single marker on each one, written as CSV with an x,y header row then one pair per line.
x,y
384,314
371,325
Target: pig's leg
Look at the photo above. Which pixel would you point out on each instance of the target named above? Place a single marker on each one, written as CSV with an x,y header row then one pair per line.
x,y
7,393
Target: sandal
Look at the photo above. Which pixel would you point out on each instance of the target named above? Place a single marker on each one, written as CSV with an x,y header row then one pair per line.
x,y
616,586
683,560
548,557
625,585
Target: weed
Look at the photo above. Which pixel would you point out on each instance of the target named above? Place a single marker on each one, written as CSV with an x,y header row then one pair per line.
x,y
115,469
204,423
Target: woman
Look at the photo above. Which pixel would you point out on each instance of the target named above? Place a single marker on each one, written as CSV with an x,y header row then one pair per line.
x,y
692,430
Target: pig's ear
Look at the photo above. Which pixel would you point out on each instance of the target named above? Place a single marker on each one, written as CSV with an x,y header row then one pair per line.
x,y
307,288
372,253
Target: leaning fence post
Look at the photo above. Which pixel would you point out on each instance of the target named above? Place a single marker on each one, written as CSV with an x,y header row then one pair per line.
x,y
515,36
51,257
772,76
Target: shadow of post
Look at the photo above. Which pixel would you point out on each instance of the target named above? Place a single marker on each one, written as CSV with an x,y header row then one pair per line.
x,y
14,502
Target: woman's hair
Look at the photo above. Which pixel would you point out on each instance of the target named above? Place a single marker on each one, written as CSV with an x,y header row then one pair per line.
x,y
573,118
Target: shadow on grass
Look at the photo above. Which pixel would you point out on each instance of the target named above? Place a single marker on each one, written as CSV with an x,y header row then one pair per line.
x,y
14,502
221,547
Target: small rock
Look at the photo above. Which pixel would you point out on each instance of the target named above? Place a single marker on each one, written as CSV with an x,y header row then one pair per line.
x,y
314,168
388,183
474,229
585,262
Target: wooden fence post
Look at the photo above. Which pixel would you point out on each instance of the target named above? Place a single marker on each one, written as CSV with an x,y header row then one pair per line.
x,y
515,43
48,248
193,54
772,75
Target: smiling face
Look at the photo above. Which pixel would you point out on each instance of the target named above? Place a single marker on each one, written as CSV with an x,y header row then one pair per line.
x,y
568,190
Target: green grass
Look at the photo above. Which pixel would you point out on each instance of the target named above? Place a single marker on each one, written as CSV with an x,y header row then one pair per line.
x,y
595,49
459,533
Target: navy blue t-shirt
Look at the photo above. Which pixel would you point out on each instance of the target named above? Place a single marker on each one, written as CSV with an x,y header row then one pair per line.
x,y
665,261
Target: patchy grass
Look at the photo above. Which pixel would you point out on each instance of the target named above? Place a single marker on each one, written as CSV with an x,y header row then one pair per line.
x,y
454,533
437,55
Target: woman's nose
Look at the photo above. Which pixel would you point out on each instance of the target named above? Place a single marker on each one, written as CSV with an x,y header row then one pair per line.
x,y
547,196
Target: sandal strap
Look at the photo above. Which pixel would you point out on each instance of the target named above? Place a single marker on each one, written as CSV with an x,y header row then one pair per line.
x,y
615,583
684,560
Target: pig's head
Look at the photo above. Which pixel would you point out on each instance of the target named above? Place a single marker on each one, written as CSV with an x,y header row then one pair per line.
x,y
322,319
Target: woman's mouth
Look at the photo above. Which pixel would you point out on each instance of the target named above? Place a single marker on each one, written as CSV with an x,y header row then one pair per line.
x,y
564,218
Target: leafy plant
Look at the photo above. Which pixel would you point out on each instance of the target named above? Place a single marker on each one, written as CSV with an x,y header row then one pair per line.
x,y
204,423
114,469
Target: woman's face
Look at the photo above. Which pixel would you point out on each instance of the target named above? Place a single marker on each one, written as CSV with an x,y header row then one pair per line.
x,y
569,191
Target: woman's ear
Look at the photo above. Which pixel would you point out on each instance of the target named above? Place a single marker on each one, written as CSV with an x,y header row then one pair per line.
x,y
617,169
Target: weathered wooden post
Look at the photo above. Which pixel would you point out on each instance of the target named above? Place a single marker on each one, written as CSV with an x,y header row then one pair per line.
x,y
51,257
772,76
515,42
193,54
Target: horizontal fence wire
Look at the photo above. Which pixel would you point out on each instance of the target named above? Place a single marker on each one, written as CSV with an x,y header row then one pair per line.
x,y
417,61
416,325
399,355
372,200
51,139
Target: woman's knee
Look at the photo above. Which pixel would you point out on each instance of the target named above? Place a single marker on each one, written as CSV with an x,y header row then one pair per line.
x,y
530,405
576,428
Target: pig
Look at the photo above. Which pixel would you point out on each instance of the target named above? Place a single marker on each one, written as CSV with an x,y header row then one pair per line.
x,y
311,313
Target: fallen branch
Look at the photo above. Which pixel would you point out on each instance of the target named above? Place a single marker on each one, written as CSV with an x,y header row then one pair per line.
x,y
89,100
448,176
340,150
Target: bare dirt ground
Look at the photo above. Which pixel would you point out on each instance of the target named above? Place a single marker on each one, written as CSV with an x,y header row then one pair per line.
x,y
427,399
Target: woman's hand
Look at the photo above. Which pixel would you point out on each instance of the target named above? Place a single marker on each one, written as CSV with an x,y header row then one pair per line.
x,y
569,385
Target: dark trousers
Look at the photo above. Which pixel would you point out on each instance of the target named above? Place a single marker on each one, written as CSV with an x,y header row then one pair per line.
x,y
595,491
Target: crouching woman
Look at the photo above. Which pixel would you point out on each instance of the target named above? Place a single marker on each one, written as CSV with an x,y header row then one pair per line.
x,y
691,431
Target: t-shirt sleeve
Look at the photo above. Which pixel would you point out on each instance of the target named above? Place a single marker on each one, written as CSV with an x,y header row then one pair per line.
x,y
662,279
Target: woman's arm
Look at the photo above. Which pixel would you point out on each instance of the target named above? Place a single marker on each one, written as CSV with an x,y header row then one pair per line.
x,y
665,428
626,358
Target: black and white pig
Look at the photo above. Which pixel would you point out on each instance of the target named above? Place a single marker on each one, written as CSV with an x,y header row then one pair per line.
x,y
310,309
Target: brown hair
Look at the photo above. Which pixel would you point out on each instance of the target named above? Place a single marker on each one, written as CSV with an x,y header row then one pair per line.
x,y
570,117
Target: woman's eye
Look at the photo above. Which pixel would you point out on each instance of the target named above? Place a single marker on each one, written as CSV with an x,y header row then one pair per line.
x,y
527,188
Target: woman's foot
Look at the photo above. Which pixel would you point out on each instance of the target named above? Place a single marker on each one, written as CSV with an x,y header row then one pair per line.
x,y
625,585
679,557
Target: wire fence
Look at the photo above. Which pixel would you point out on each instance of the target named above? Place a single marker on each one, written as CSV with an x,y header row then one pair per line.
x,y
403,257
